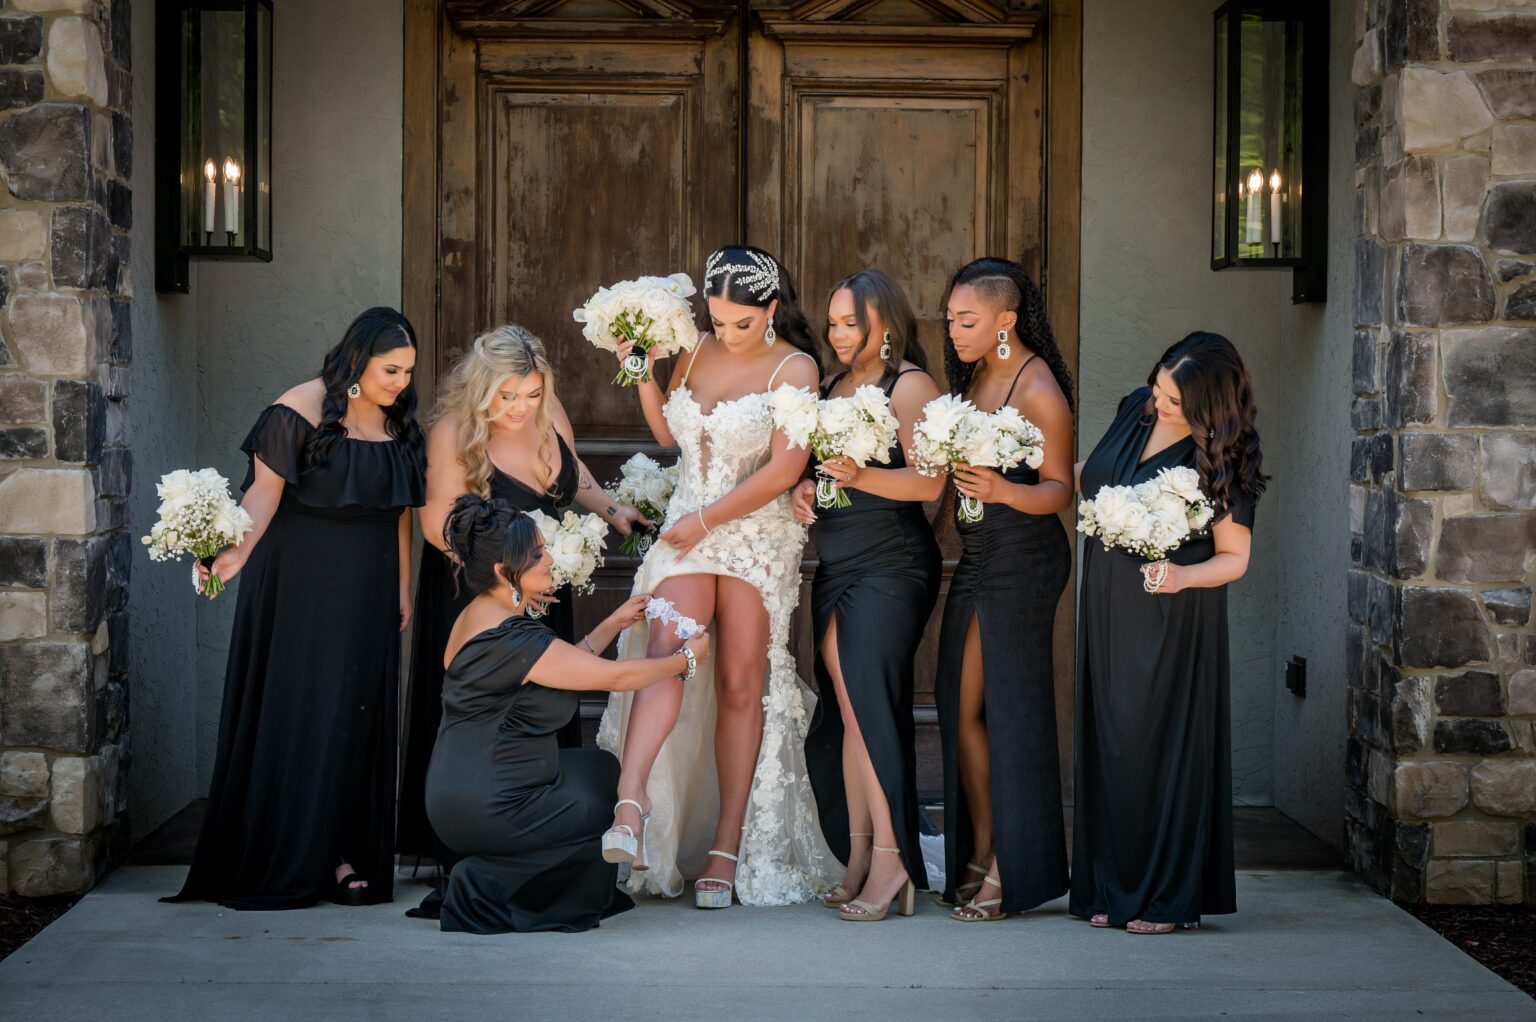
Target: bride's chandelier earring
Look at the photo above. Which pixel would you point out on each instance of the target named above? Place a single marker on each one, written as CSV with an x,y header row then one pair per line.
x,y
885,348
355,391
1003,350
769,335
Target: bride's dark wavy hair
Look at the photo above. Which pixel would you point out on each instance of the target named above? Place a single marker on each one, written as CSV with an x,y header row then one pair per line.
x,y
1003,285
482,533
872,288
1216,397
376,331
789,320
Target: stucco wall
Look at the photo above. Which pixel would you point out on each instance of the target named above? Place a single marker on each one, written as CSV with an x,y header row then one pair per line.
x,y
1310,516
1147,281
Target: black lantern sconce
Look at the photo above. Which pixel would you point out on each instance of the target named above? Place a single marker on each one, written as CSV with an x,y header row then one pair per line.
x,y
1271,140
213,144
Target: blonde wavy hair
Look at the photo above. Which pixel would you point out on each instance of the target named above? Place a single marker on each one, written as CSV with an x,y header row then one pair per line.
x,y
471,387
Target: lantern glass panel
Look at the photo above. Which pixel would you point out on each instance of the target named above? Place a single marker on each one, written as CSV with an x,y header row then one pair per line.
x,y
1219,176
1269,141
264,127
213,158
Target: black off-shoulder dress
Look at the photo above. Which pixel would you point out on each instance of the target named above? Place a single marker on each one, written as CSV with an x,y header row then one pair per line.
x,y
304,776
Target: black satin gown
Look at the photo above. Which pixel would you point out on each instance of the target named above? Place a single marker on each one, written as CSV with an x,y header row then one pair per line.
x,y
438,605
1152,836
524,815
1011,574
879,575
304,776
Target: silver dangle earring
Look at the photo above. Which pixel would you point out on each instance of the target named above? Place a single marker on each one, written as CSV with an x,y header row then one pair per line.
x,y
1211,434
1003,351
769,335
885,348
517,597
354,392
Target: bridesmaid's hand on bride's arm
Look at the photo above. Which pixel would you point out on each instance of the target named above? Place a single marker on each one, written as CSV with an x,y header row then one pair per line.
x,y
688,533
800,501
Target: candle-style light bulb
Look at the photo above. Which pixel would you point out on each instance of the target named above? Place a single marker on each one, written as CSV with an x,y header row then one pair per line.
x,y
1254,234
1274,208
210,194
231,197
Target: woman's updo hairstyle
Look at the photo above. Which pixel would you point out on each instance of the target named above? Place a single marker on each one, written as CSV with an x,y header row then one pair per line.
x,y
483,533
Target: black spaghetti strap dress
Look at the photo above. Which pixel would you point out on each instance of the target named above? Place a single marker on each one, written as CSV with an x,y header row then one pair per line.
x,y
1013,568
304,776
879,575
523,815
1152,837
438,605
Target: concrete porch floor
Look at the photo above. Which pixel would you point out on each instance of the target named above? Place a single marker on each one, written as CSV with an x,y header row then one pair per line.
x,y
1306,944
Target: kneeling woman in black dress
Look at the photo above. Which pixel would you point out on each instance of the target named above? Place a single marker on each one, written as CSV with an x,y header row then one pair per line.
x,y
304,781
524,814
1152,841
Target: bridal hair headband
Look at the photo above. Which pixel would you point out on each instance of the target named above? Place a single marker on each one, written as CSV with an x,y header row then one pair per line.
x,y
760,275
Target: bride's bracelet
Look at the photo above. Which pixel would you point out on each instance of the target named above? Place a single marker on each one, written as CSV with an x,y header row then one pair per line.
x,y
707,530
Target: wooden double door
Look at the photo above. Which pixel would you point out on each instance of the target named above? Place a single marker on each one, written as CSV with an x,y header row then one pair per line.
x,y
555,145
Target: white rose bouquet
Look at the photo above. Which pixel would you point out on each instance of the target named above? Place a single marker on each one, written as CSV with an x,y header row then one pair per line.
x,y
794,413
198,517
652,312
859,427
647,487
575,542
1151,518
955,432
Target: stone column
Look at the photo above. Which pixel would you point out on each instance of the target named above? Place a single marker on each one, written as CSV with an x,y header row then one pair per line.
x,y
1442,656
65,151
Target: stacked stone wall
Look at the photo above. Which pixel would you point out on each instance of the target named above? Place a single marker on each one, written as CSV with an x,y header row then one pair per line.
x,y
1442,655
65,220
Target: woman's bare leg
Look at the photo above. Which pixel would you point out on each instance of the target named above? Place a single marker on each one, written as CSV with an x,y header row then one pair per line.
x,y
853,774
975,767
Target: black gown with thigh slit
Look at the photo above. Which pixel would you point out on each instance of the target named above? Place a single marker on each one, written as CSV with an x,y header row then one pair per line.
x,y
1012,570
879,576
304,777
1152,836
523,815
438,605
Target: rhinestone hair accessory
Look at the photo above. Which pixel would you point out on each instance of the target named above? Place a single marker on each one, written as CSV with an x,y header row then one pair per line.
x,y
760,276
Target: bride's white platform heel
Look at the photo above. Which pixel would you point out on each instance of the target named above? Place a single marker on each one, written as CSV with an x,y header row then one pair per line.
x,y
718,897
620,842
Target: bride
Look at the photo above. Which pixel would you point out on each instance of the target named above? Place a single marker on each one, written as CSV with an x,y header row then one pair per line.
x,y
713,782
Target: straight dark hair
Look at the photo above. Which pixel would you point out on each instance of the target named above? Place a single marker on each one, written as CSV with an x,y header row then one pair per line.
x,y
1216,397
872,287
376,331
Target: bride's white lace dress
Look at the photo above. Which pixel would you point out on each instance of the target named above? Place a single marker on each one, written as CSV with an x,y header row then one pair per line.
x,y
783,857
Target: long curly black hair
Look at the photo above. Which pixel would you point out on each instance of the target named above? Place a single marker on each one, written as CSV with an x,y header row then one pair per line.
x,y
374,332
482,533
789,321
1216,397
1004,284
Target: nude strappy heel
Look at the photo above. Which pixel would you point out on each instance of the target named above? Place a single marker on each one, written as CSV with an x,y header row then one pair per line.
x,y
840,895
621,844
964,892
975,911
863,912
720,898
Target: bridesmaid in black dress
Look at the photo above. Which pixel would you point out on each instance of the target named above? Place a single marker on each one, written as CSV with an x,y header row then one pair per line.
x,y
1152,840
1004,835
304,781
500,432
875,587
525,815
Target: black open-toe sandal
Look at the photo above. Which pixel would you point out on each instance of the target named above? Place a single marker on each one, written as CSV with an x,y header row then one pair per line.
x,y
342,893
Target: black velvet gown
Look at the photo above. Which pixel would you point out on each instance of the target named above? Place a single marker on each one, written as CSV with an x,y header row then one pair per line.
x,y
1011,574
524,815
1152,836
438,605
879,574
305,771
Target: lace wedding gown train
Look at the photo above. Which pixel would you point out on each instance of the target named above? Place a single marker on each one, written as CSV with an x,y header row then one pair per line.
x,y
783,857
